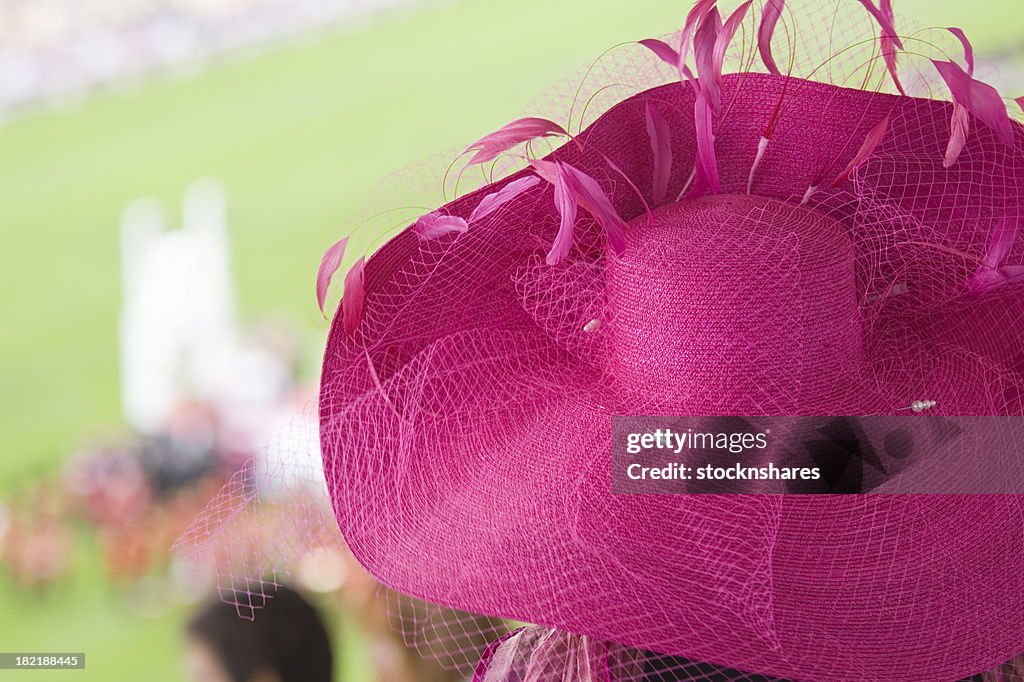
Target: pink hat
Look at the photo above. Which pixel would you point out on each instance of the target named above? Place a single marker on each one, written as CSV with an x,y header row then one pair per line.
x,y
742,244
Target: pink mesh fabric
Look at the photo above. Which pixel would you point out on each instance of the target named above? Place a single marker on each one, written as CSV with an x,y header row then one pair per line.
x,y
250,536
476,474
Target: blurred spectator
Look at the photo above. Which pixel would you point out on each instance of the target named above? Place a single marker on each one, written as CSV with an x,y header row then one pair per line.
x,y
285,642
107,484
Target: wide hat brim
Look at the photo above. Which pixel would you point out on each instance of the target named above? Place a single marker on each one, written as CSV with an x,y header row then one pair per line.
x,y
466,442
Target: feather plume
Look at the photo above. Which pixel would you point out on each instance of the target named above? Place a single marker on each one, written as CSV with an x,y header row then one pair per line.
x,y
498,661
993,274
726,34
663,50
707,102
352,298
329,264
435,225
694,18
495,200
546,170
706,171
980,99
871,142
594,201
490,147
968,48
574,187
565,202
889,39
762,147
960,123
769,18
704,46
661,149
959,128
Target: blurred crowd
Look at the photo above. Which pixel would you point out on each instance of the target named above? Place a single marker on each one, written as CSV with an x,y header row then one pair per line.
x,y
130,499
52,48
126,499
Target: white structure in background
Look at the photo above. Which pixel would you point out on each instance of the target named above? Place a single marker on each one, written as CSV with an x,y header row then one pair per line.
x,y
178,318
179,334
180,339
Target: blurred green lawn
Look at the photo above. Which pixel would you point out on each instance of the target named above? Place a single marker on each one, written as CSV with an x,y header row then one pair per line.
x,y
299,135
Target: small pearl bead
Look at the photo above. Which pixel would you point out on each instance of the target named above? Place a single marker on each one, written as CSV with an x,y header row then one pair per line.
x,y
591,326
922,405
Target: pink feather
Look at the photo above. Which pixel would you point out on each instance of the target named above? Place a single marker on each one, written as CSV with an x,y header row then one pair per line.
x,y
565,202
707,102
885,18
871,142
981,99
726,34
769,18
890,21
594,201
960,124
704,45
499,659
694,17
547,170
661,148
489,147
959,128
1003,238
706,172
435,225
968,48
328,266
891,42
989,280
352,298
577,187
663,50
495,200
993,274
888,39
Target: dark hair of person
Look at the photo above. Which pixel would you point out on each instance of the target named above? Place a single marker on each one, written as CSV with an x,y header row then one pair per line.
x,y
286,636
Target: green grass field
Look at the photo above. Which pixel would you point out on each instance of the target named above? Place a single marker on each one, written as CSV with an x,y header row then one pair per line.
x,y
299,134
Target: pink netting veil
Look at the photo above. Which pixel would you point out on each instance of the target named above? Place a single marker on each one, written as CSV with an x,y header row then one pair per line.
x,y
810,240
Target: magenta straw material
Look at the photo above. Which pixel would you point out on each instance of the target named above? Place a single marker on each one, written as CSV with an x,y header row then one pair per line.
x,y
469,466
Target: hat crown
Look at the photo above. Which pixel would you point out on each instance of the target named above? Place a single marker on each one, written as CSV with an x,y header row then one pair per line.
x,y
735,304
